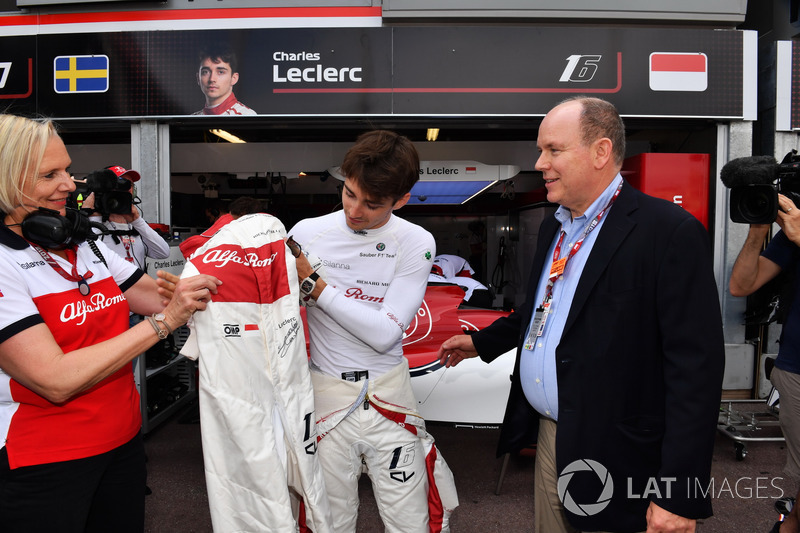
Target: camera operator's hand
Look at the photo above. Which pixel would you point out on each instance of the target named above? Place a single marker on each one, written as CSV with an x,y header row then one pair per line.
x,y
789,218
126,218
88,203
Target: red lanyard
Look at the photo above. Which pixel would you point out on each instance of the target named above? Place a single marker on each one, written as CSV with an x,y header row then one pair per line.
x,y
126,242
72,258
559,265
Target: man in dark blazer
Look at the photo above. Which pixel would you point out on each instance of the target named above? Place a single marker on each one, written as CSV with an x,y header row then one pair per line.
x,y
620,351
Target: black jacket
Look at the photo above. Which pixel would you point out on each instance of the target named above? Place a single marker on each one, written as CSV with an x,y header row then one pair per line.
x,y
639,365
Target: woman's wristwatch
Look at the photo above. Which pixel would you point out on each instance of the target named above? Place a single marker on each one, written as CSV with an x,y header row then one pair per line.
x,y
157,318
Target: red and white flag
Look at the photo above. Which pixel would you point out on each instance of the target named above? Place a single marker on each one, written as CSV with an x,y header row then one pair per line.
x,y
678,71
471,170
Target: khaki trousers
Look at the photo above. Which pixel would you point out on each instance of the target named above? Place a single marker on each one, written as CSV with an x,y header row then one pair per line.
x,y
788,385
548,511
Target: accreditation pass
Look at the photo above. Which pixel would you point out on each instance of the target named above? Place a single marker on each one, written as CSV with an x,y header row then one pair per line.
x,y
540,315
537,324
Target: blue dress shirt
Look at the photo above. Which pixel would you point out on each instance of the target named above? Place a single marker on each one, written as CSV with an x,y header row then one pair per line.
x,y
538,364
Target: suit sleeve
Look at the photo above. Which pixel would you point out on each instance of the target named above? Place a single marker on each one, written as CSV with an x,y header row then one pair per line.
x,y
501,336
693,360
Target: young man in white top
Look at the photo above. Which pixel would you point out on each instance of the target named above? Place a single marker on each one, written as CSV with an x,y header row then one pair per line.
x,y
376,268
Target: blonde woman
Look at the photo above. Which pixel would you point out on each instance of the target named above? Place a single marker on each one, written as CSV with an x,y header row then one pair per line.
x,y
72,458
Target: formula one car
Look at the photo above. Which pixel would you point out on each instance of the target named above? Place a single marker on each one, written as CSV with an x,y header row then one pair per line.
x,y
472,393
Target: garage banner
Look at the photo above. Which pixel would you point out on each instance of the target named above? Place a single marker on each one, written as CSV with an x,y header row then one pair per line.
x,y
360,71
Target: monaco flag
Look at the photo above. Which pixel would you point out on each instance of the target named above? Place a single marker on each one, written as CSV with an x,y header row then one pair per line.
x,y
678,71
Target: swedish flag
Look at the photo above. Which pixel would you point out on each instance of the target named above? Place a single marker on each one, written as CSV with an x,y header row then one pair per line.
x,y
81,74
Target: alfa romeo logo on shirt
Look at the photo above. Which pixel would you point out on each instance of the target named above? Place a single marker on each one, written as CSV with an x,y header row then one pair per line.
x,y
380,247
589,508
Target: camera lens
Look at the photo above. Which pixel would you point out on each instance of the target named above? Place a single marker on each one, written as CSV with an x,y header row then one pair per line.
x,y
117,202
754,204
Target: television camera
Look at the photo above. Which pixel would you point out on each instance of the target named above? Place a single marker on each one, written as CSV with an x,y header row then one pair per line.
x,y
755,183
112,192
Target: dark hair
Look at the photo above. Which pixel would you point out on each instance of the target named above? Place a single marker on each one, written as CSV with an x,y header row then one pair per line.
x,y
217,53
245,205
599,118
383,164
216,208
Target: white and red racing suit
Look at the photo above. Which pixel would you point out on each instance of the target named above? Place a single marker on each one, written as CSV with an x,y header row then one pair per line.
x,y
413,461
256,400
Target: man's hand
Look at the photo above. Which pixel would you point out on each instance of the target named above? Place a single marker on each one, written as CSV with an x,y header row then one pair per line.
x,y
659,520
88,203
456,349
127,218
304,268
789,218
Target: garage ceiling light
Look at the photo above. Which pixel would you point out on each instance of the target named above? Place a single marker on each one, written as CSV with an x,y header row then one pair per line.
x,y
231,138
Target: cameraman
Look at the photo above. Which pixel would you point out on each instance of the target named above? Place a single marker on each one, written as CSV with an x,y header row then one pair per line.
x,y
752,270
130,236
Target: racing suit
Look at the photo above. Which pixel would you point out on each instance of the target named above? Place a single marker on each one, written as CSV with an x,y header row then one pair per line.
x,y
256,403
231,106
375,279
191,244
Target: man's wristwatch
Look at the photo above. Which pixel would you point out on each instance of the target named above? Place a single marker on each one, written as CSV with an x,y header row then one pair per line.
x,y
308,284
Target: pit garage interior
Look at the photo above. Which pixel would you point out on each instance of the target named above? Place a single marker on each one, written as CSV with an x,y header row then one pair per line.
x,y
206,170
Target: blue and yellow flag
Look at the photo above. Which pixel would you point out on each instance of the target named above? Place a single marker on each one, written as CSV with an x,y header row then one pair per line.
x,y
81,74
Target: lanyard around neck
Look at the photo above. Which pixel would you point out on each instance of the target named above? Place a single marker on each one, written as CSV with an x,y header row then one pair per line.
x,y
560,264
556,270
72,258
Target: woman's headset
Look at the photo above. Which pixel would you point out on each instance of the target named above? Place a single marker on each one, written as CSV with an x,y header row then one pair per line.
x,y
51,231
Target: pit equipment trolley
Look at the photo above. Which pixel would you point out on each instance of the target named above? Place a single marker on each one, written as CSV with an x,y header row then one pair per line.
x,y
752,421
